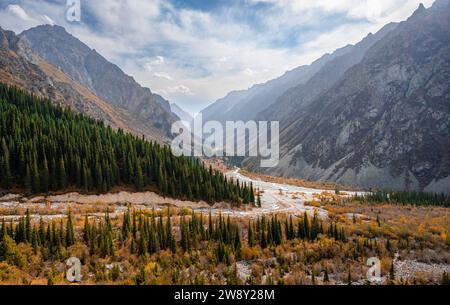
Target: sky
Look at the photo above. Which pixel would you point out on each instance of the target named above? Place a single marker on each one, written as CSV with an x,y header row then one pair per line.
x,y
194,52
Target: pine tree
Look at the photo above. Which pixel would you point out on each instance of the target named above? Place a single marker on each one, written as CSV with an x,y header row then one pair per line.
x,y
45,177
142,247
325,275
87,230
263,241
139,180
62,178
27,233
41,232
5,168
35,178
184,235
34,240
170,238
251,237
70,236
28,185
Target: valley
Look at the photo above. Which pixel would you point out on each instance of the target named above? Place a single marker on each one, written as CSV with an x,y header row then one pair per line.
x,y
275,198
339,233
96,169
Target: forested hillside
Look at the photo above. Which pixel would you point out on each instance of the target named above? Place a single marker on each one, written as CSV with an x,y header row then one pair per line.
x,y
47,148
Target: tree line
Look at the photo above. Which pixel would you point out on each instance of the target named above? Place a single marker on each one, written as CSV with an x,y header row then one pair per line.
x,y
49,238
269,232
405,198
45,148
148,233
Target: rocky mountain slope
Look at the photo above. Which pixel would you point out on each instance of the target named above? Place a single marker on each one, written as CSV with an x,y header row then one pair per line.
x,y
270,99
385,123
22,67
103,78
246,104
182,114
291,104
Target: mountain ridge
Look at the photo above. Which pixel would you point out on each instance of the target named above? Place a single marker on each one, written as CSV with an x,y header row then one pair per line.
x,y
300,96
181,113
244,104
105,79
21,67
385,123
260,102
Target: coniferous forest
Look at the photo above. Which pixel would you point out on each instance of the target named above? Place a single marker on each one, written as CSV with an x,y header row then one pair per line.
x,y
406,198
45,148
147,247
143,234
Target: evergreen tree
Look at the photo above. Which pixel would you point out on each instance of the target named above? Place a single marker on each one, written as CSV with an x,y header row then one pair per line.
x,y
70,236
251,237
5,168
45,177
325,275
45,147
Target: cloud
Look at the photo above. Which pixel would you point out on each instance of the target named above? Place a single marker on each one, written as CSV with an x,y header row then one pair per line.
x,y
21,15
19,12
163,75
151,63
180,89
192,56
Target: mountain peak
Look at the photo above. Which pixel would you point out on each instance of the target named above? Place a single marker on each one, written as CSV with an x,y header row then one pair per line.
x,y
50,27
421,9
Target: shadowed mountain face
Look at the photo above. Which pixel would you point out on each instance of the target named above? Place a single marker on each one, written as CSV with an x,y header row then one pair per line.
x,y
103,78
375,114
386,121
22,67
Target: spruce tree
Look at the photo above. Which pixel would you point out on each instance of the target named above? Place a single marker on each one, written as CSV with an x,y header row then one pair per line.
x,y
70,236
326,279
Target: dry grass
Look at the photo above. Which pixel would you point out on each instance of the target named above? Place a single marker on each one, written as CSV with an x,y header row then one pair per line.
x,y
299,182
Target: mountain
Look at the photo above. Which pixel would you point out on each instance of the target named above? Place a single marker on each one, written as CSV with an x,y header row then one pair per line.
x,y
245,104
290,105
183,115
104,79
262,101
21,67
385,123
